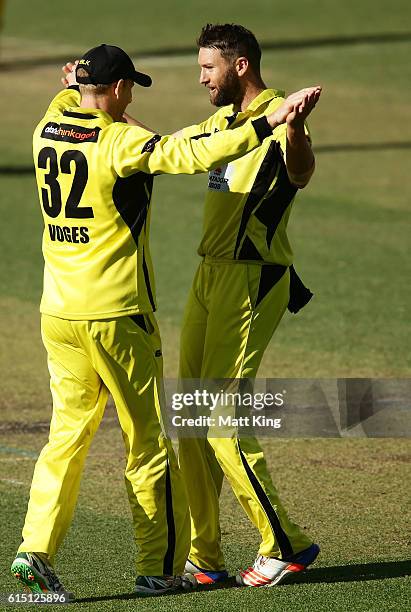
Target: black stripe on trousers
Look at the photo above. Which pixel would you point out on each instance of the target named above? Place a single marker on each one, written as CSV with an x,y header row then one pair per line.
x,y
279,533
168,564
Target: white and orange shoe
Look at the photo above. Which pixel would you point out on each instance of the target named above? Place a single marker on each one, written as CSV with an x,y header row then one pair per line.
x,y
267,571
204,576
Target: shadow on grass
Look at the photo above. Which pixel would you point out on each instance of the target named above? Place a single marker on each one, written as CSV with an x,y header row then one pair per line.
x,y
362,146
227,584
338,573
277,45
353,573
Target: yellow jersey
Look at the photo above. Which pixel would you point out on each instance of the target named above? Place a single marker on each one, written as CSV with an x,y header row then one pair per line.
x,y
95,178
249,200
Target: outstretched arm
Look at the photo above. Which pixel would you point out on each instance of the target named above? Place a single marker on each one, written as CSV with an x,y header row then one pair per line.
x,y
131,121
133,150
300,159
293,111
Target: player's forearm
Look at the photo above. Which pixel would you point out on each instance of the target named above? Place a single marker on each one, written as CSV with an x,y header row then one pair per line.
x,y
196,130
300,159
131,121
191,156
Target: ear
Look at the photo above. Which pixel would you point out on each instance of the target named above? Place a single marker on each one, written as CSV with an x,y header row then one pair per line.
x,y
241,65
118,88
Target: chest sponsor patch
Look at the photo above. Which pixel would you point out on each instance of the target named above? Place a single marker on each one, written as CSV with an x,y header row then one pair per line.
x,y
219,178
70,133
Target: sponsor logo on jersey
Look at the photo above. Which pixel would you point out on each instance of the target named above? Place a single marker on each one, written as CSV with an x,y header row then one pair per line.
x,y
70,133
219,178
150,144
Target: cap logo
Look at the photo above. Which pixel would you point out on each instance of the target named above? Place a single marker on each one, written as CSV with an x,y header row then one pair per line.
x,y
86,62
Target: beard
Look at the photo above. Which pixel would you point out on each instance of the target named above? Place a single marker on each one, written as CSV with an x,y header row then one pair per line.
x,y
228,91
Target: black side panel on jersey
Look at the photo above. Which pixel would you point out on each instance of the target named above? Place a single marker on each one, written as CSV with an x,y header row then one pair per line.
x,y
249,250
263,180
272,209
70,133
131,197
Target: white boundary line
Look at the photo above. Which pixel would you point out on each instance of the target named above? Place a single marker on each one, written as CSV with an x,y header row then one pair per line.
x,y
11,450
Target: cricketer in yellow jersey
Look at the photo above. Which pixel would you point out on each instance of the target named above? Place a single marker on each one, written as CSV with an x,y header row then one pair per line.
x,y
94,176
241,289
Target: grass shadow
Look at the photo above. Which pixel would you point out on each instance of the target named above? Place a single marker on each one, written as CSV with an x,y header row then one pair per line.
x,y
339,573
353,573
328,148
267,45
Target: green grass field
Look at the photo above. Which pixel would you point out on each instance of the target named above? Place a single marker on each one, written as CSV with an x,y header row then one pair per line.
x,y
350,231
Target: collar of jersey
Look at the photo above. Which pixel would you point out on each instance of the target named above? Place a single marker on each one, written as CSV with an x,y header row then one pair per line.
x,y
265,96
91,111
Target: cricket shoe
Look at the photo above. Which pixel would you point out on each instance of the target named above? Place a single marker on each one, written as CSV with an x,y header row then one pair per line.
x,y
37,576
149,586
267,571
204,576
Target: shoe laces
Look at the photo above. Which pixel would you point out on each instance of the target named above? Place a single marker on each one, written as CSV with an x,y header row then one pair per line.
x,y
269,564
52,578
260,561
54,581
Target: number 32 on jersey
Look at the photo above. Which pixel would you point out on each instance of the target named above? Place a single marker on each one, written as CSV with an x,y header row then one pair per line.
x,y
51,193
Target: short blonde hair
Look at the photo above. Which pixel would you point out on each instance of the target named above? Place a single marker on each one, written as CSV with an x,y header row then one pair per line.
x,y
96,90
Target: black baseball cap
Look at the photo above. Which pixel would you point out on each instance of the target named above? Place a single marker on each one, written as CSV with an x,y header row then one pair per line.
x,y
106,64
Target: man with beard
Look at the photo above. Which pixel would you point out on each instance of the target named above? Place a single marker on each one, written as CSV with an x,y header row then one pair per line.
x,y
241,289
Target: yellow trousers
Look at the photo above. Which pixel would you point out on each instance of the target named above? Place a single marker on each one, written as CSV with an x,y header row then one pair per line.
x,y
233,310
88,360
